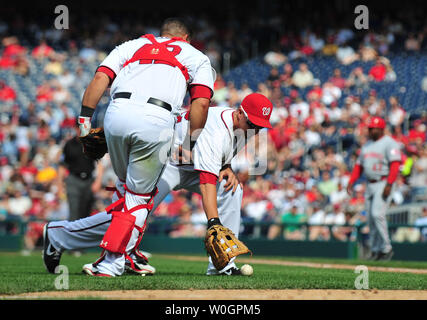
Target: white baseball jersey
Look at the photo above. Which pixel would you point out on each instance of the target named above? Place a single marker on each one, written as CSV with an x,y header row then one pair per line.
x,y
216,145
375,157
130,71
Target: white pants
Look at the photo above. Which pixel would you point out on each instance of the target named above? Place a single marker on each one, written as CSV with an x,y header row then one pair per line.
x,y
139,138
376,208
88,232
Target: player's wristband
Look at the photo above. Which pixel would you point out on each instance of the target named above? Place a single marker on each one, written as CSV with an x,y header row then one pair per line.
x,y
214,221
87,112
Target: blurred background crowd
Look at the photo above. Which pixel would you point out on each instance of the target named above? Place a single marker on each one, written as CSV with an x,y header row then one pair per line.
x,y
324,77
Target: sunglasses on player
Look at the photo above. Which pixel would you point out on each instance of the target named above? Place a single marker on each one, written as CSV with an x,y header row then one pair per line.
x,y
249,123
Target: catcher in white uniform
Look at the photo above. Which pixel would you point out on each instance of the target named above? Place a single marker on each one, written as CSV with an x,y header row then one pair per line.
x,y
149,79
225,133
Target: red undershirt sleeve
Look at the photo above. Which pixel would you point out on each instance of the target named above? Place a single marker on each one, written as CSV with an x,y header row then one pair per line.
x,y
357,171
394,171
207,177
109,72
200,91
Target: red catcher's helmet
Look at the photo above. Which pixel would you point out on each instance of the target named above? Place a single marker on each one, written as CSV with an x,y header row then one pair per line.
x,y
376,122
258,109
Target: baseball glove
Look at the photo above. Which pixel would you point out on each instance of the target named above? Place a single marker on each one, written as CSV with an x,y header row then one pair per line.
x,y
94,144
222,245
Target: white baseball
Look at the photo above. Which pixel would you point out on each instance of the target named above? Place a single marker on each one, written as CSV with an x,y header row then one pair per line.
x,y
247,270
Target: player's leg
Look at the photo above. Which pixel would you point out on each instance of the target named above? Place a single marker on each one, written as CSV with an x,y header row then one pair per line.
x,y
373,242
148,138
379,210
59,236
83,233
169,180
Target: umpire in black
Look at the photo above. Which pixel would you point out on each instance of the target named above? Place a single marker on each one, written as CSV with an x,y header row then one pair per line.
x,y
82,182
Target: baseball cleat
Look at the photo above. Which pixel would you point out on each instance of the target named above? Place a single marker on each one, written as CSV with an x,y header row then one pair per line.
x,y
51,256
385,256
139,266
231,272
141,254
91,270
373,256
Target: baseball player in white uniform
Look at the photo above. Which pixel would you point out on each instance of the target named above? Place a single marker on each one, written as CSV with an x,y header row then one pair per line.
x,y
149,78
225,133
379,160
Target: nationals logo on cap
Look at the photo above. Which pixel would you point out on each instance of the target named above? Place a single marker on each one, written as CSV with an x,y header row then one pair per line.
x,y
258,109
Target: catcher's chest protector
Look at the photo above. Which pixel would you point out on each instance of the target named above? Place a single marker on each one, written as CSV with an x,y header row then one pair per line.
x,y
158,52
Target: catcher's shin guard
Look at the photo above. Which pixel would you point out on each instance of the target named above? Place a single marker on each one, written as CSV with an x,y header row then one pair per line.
x,y
122,224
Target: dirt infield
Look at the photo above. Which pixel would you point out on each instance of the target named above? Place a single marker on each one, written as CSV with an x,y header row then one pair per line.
x,y
230,295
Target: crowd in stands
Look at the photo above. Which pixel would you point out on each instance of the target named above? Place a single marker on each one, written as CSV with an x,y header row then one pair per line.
x,y
311,149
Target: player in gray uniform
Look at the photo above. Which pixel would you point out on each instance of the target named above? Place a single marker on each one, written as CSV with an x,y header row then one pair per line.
x,y
379,160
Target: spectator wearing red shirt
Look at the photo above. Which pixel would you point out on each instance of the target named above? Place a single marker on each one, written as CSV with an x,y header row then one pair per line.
x,y
418,133
378,71
12,49
42,50
178,202
337,79
399,136
44,93
6,93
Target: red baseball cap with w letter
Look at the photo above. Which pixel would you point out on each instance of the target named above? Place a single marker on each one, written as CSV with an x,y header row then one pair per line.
x,y
376,122
258,108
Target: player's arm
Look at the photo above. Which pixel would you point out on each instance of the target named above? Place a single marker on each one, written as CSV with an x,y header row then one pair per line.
x,y
91,97
104,76
355,174
209,200
207,157
201,92
198,115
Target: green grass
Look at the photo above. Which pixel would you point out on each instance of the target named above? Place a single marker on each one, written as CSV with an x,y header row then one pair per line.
x,y
19,274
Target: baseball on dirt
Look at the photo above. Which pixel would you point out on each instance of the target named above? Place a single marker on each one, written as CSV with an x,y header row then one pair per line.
x,y
247,270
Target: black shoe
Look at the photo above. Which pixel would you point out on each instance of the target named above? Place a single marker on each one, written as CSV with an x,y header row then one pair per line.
x,y
51,256
231,272
373,256
385,256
